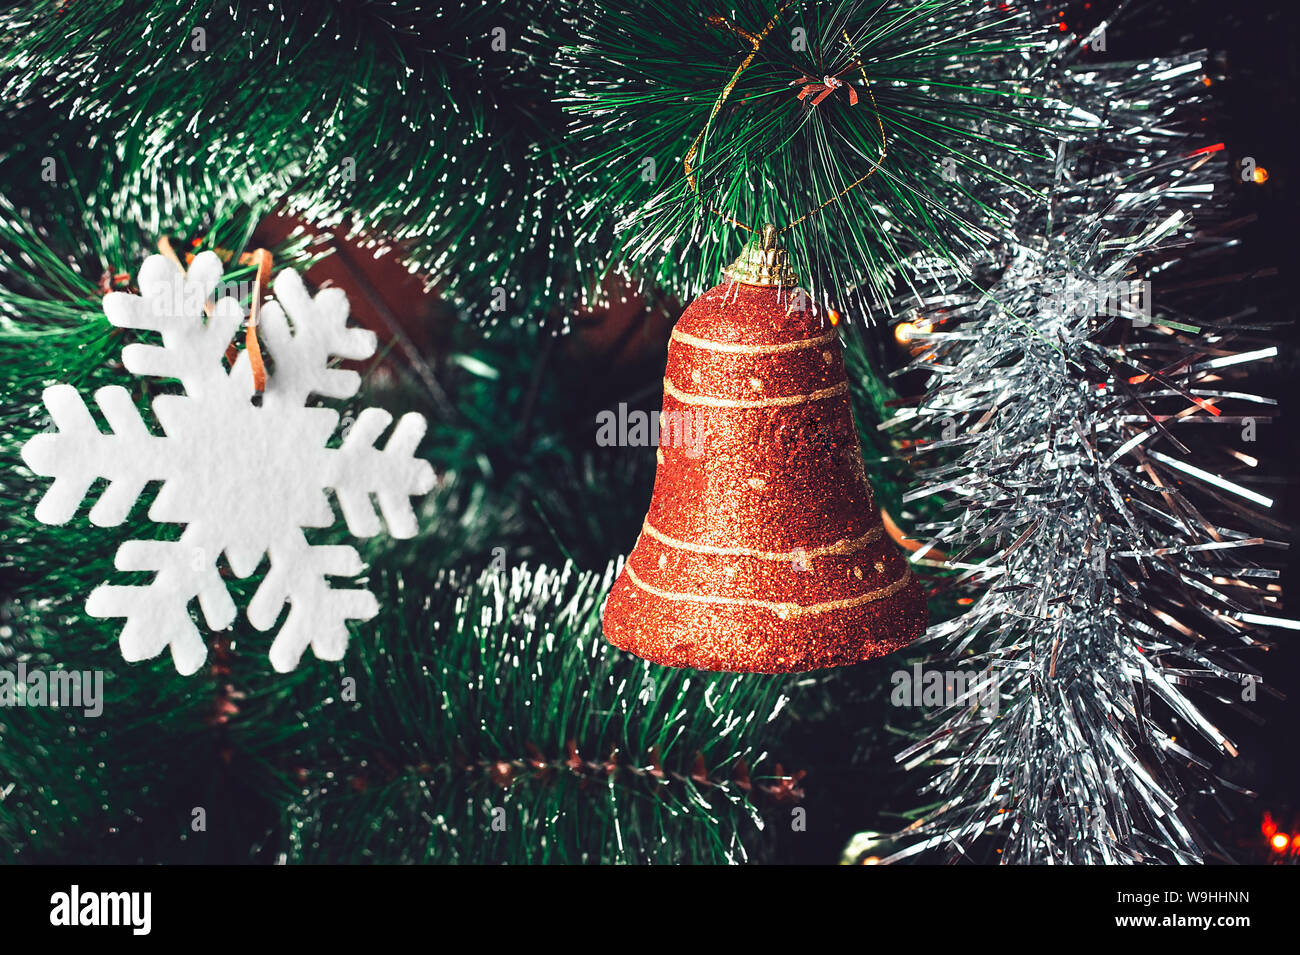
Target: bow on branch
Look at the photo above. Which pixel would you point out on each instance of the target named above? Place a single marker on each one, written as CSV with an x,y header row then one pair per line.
x,y
827,86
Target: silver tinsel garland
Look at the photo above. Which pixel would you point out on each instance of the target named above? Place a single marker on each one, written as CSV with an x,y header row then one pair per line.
x,y
1085,437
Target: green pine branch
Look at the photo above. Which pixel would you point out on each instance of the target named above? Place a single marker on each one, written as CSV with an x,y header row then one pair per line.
x,y
938,84
414,125
491,722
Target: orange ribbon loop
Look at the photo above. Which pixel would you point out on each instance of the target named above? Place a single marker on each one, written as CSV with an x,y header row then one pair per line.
x,y
825,88
263,259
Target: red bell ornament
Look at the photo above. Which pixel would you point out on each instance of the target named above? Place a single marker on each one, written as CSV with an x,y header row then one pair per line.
x,y
763,550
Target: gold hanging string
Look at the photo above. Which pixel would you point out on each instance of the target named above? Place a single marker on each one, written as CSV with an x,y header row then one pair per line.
x,y
883,144
755,42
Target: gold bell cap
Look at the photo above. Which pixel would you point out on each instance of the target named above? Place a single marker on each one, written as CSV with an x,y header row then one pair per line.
x,y
763,262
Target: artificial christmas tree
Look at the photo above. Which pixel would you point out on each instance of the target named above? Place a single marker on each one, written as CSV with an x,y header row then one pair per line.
x,y
525,164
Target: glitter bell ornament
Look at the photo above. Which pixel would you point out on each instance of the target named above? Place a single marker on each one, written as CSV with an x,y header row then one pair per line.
x,y
763,550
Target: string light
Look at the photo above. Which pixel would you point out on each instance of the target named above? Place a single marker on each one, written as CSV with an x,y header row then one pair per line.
x,y
906,332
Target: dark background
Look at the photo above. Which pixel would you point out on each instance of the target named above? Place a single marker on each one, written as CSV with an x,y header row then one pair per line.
x,y
1255,46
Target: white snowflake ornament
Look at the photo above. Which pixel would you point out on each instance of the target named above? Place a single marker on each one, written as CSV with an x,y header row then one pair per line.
x,y
243,479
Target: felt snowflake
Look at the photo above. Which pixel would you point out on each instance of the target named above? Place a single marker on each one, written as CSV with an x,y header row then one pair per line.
x,y
243,478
